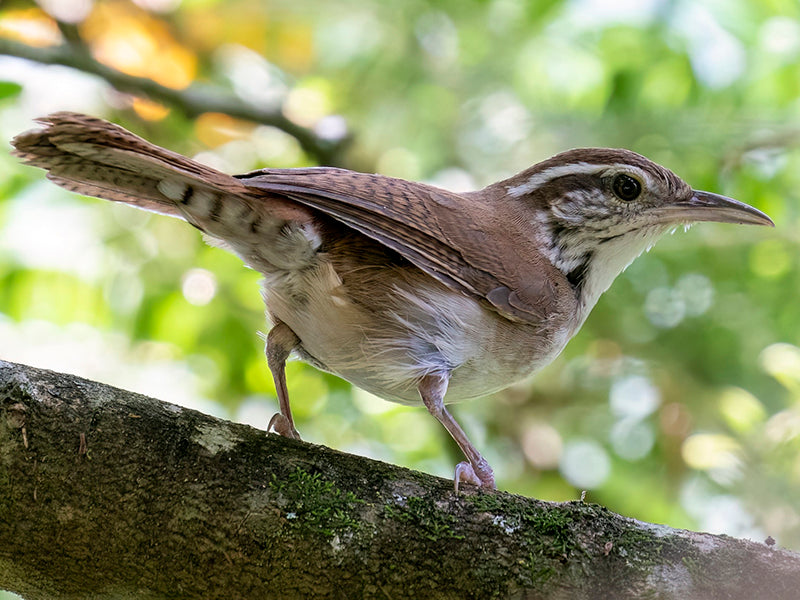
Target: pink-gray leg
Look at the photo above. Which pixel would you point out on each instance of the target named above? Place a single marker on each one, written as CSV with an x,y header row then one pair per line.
x,y
475,469
281,340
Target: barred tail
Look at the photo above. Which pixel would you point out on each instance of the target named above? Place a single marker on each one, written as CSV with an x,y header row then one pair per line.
x,y
91,156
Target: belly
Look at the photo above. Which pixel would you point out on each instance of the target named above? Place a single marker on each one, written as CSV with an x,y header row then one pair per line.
x,y
385,342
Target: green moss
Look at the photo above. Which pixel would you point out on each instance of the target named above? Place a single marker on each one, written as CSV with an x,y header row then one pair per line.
x,y
539,575
431,522
695,567
641,549
483,502
548,531
314,504
5,494
557,525
636,544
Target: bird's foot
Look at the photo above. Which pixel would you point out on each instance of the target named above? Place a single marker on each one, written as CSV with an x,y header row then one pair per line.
x,y
283,426
482,476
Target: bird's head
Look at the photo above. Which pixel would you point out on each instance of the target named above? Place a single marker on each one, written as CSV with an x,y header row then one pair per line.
x,y
596,209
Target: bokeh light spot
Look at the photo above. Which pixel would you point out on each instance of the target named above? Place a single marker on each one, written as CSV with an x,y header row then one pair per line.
x,y
741,410
705,451
542,445
697,293
782,361
31,26
632,439
770,259
633,397
585,464
664,307
308,103
199,286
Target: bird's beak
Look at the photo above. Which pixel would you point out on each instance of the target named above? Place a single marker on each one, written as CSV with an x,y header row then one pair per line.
x,y
705,206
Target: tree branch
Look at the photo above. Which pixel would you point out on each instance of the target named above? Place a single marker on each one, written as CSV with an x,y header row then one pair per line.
x,y
107,494
192,101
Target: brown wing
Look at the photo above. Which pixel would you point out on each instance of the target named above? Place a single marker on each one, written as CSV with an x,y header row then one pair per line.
x,y
434,229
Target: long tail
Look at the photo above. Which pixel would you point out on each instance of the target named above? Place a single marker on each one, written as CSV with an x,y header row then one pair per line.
x,y
94,157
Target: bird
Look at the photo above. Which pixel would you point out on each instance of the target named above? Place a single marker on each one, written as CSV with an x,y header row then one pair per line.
x,y
416,294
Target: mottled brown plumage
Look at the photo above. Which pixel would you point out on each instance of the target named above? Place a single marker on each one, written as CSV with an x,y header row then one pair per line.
x,y
409,291
456,238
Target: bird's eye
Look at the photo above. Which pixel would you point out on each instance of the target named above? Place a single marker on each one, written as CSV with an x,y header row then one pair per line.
x,y
626,187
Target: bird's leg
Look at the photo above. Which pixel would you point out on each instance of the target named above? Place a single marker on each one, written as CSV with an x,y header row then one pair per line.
x,y
475,469
281,340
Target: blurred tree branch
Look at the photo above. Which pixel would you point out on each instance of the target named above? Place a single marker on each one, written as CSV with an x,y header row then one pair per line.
x,y
105,493
192,101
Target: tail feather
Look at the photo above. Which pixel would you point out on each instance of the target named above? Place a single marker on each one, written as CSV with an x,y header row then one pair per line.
x,y
94,157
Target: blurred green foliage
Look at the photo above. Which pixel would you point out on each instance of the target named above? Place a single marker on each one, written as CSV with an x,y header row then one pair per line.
x,y
679,401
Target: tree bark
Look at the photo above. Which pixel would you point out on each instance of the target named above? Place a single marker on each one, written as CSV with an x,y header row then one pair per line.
x,y
109,494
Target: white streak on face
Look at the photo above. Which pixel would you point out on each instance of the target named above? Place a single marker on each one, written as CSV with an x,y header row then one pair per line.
x,y
537,180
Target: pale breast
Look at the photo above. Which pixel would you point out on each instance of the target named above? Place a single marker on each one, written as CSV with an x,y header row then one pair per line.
x,y
384,327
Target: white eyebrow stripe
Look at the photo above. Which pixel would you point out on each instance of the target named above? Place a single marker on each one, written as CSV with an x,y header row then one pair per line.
x,y
537,180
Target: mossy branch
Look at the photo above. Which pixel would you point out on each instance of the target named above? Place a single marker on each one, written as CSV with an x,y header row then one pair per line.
x,y
109,494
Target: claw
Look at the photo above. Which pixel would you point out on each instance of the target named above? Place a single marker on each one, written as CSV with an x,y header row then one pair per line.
x,y
466,472
282,426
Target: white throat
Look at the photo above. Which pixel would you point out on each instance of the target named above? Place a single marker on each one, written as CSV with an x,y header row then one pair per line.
x,y
591,260
612,258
